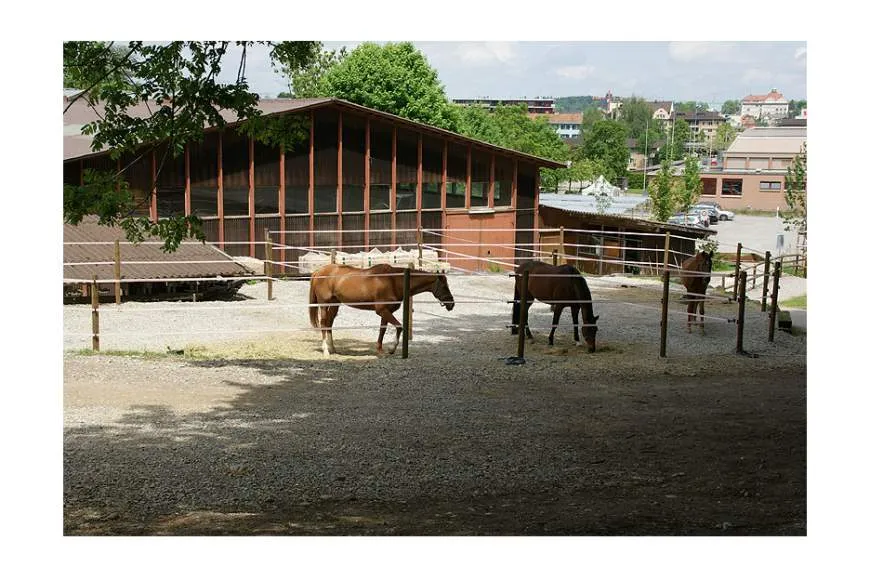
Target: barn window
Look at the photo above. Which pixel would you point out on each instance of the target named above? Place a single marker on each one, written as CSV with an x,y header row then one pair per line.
x,y
203,175
296,172
406,170
267,178
456,173
170,182
325,161
504,178
236,171
433,164
479,178
353,156
381,170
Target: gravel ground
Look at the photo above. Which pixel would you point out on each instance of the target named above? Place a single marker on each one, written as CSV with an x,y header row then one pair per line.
x,y
256,433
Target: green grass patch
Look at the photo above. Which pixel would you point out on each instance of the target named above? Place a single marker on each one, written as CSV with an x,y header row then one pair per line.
x,y
796,302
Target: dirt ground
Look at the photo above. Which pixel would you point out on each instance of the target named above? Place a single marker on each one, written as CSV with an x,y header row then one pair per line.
x,y
361,446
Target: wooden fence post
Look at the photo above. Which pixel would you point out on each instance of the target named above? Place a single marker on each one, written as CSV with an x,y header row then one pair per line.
x,y
410,329
406,311
561,246
117,271
766,281
737,270
95,315
524,291
741,312
555,258
419,247
332,257
774,306
664,324
268,265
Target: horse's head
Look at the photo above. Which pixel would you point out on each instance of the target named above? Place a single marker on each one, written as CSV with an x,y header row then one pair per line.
x,y
589,332
442,292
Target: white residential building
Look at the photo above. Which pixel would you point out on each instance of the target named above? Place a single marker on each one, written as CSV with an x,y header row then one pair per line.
x,y
771,106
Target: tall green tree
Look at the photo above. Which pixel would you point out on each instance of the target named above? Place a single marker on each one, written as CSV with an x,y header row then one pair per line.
x,y
690,191
308,82
794,108
691,107
680,135
606,142
796,192
591,115
178,82
661,192
725,135
637,117
394,78
731,107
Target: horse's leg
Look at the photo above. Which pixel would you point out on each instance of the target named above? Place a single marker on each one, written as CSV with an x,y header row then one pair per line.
x,y
690,309
381,332
386,314
575,312
324,323
327,317
557,313
528,330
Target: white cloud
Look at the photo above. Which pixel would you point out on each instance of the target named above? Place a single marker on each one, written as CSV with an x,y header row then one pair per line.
x,y
757,75
575,72
485,53
704,51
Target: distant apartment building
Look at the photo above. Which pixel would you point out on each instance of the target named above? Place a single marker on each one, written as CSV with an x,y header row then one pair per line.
x,y
701,123
538,105
566,125
752,174
771,106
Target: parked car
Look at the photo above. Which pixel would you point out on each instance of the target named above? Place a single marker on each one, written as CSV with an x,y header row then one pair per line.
x,y
721,214
683,219
708,212
703,215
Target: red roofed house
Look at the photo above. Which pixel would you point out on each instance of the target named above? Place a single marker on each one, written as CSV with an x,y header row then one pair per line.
x,y
773,105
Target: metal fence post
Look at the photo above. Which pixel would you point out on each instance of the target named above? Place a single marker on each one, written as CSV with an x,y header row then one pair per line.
x,y
406,310
268,266
766,281
524,291
95,316
664,323
737,270
774,306
741,312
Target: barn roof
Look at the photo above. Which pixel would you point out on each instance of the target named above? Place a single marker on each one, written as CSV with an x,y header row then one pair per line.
x,y
91,242
76,145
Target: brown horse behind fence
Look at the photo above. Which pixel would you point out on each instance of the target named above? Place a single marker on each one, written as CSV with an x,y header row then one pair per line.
x,y
379,288
696,285
560,286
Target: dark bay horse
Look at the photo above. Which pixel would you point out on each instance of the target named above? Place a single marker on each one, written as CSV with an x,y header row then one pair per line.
x,y
696,285
379,288
563,287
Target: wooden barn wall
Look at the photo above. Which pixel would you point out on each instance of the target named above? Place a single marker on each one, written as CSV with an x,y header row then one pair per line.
x,y
480,165
267,178
432,220
381,171
273,224
526,186
353,241
433,169
210,228
406,170
353,164
406,221
379,231
138,173
237,230
325,227
296,171
297,241
236,167
525,220
325,161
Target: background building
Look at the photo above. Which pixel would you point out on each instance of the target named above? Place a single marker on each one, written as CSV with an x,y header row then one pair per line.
x,y
771,106
543,105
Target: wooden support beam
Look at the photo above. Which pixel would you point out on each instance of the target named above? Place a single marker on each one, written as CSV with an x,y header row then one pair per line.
x,y
311,179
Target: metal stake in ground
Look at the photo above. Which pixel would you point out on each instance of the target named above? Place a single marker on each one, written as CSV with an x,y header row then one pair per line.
x,y
741,311
737,269
774,306
766,281
95,316
664,333
268,265
406,310
524,291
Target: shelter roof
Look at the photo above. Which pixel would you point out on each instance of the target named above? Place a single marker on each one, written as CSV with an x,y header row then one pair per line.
x,y
95,243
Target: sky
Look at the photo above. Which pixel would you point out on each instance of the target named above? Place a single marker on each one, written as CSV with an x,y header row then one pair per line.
x,y
680,70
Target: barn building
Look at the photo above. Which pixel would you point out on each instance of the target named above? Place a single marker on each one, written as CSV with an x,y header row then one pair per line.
x,y
357,179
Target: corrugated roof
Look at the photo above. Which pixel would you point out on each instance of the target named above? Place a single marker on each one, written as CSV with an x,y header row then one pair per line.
x,y
162,264
587,203
77,145
769,140
550,214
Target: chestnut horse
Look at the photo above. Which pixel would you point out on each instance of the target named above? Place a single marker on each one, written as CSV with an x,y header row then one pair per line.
x,y
379,288
696,285
563,287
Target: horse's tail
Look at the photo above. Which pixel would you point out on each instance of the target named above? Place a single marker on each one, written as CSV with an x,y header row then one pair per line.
x,y
312,304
